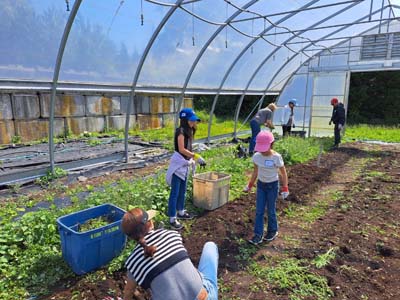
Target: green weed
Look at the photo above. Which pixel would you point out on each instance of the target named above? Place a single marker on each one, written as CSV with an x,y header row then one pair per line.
x,y
46,179
324,259
295,277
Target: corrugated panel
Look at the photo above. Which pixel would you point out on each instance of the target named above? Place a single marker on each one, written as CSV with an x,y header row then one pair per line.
x,y
396,45
374,46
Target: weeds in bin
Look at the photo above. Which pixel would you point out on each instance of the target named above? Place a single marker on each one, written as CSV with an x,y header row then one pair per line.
x,y
94,223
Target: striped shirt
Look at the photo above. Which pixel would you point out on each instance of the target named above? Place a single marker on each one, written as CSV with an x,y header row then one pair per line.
x,y
170,251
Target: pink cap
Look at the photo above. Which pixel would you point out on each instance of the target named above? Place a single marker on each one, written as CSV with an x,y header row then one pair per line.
x,y
263,141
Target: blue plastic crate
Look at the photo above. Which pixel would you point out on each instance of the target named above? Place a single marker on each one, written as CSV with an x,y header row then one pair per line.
x,y
89,250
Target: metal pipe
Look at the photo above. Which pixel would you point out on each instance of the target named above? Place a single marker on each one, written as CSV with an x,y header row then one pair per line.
x,y
56,74
139,69
380,19
332,26
205,46
227,73
295,11
333,46
287,40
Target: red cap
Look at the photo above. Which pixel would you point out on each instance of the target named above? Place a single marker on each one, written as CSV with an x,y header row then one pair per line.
x,y
334,101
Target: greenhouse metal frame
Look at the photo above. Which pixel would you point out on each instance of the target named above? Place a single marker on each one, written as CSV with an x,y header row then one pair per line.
x,y
291,49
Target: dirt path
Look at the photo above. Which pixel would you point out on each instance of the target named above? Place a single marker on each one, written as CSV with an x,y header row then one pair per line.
x,y
349,205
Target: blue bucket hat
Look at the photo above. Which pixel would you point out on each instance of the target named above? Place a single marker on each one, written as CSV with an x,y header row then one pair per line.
x,y
188,114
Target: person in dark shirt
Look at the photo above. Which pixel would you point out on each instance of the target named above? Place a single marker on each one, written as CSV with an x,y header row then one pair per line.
x,y
338,118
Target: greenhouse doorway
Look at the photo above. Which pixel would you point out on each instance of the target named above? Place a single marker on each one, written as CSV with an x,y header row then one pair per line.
x,y
374,98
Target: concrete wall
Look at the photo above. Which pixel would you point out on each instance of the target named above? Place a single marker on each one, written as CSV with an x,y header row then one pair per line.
x,y
25,116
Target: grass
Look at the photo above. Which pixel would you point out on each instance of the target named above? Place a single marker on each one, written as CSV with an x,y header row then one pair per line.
x,y
293,276
298,150
375,133
219,126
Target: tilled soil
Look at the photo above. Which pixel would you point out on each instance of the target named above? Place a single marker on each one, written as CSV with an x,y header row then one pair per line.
x,y
361,224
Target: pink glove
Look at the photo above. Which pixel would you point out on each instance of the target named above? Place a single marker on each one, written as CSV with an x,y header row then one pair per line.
x,y
285,192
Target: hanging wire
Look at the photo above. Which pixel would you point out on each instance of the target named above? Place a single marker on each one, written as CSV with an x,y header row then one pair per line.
x,y
67,3
114,16
141,13
301,54
287,52
273,24
226,27
193,42
273,56
252,33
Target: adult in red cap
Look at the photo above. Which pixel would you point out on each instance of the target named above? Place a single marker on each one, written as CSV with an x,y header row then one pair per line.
x,y
338,118
268,168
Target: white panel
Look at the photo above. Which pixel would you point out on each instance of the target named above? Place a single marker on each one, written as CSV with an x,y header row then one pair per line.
x,y
329,83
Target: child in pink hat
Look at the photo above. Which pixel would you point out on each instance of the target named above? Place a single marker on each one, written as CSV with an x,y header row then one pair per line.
x,y
268,165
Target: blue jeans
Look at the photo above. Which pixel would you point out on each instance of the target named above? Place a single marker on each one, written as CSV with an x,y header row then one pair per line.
x,y
255,129
177,196
267,193
208,267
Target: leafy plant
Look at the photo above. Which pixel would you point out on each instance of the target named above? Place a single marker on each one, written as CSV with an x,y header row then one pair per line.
x,y
16,139
46,179
94,223
324,259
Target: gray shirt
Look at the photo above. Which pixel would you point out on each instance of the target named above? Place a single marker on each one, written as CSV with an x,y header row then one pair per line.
x,y
263,115
180,282
268,166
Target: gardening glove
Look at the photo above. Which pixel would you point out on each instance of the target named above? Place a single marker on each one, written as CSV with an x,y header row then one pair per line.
x,y
340,126
248,187
285,192
199,160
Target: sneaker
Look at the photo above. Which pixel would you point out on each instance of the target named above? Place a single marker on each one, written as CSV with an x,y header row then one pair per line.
x,y
257,239
176,225
186,216
270,236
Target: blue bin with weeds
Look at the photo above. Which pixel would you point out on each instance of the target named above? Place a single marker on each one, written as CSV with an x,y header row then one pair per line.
x,y
86,249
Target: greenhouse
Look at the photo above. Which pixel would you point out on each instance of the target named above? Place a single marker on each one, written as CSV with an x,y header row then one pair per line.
x,y
91,94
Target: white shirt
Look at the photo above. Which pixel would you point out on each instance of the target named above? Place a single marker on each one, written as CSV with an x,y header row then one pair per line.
x,y
287,116
268,166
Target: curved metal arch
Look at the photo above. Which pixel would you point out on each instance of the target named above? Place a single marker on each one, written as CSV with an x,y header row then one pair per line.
x,y
235,61
139,69
56,74
274,24
277,49
205,46
322,38
170,4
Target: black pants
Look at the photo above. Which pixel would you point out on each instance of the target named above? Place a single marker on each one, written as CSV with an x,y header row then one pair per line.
x,y
286,130
337,134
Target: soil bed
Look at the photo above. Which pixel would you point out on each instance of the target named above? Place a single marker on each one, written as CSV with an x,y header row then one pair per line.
x,y
361,224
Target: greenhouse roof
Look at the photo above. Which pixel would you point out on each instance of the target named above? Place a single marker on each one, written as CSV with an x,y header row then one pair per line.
x,y
192,46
